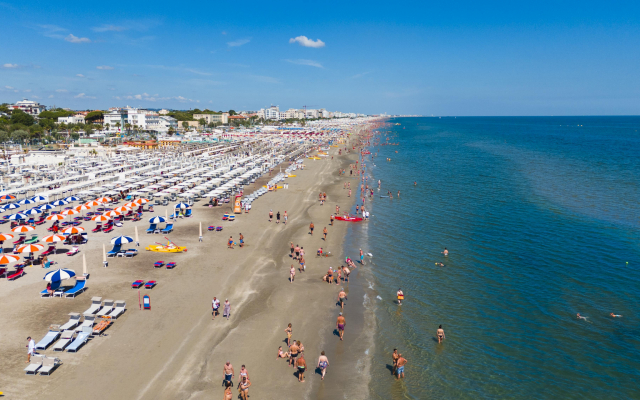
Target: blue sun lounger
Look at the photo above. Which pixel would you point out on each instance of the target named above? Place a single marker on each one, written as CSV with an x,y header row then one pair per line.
x,y
114,251
168,228
80,339
46,341
77,289
152,228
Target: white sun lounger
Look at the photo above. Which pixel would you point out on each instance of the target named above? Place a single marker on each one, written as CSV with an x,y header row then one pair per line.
x,y
106,308
47,340
74,320
96,303
80,339
120,307
88,322
65,339
48,365
34,365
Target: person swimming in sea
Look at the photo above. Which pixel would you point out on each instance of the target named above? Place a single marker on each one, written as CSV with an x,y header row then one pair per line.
x,y
615,315
581,317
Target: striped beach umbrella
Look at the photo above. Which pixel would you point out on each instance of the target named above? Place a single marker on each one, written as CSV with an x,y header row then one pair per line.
x,y
82,207
46,207
59,203
23,229
30,248
130,204
182,205
70,212
59,275
92,203
157,220
17,216
122,240
112,213
73,230
33,211
100,218
53,239
26,201
56,217
11,206
141,201
71,198
5,236
122,209
39,198
7,197
7,258
104,199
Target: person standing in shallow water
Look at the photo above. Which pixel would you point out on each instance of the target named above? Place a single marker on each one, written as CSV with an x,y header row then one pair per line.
x,y
340,324
400,366
323,363
440,334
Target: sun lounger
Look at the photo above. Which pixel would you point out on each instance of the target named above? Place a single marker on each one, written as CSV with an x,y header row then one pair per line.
x,y
188,214
101,326
114,251
34,365
96,303
3,272
65,339
130,253
47,340
89,321
108,228
15,275
150,284
40,221
159,264
48,365
97,229
137,284
168,228
106,308
45,293
34,239
171,265
77,289
81,339
74,320
152,228
49,251
74,250
119,310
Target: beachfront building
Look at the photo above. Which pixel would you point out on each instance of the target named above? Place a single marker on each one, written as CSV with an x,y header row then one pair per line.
x,y
164,112
140,119
213,118
116,120
272,112
169,142
160,123
143,144
30,107
74,119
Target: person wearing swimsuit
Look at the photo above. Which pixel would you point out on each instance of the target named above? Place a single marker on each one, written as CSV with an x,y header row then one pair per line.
x,y
243,387
400,295
278,217
228,395
293,353
323,363
440,334
301,364
270,215
292,273
244,372
292,247
281,353
289,331
340,323
228,372
311,226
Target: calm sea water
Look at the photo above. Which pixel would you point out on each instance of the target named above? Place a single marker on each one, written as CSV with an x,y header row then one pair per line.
x,y
540,216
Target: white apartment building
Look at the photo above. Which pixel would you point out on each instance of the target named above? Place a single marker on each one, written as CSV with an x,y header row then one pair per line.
x,y
160,123
212,118
272,112
74,119
30,107
116,120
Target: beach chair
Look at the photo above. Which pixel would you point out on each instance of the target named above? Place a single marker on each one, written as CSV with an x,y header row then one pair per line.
x,y
16,274
137,284
158,264
130,253
46,341
114,252
101,326
137,217
98,228
21,240
81,286
108,228
119,309
74,250
96,304
168,229
65,339
34,239
150,284
3,272
218,228
40,221
211,228
106,308
187,213
89,321
152,228
48,365
74,320
81,339
34,365
225,217
44,293
49,251
171,265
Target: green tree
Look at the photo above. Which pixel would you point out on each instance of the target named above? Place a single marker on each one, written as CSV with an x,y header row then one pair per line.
x,y
185,125
118,125
202,122
19,136
75,136
94,116
232,112
171,131
21,117
107,126
4,136
127,126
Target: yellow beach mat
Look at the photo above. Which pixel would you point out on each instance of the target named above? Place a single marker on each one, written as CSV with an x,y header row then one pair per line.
x,y
165,249
279,187
291,176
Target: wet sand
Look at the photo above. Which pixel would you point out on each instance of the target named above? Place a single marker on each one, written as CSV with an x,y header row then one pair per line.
x,y
175,350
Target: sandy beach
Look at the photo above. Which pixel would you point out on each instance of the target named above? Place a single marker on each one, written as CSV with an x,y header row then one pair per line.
x,y
175,350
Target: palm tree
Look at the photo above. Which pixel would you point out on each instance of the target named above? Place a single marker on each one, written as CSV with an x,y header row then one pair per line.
x,y
107,125
127,126
118,125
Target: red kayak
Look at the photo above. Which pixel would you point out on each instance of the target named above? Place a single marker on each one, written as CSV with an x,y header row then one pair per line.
x,y
349,219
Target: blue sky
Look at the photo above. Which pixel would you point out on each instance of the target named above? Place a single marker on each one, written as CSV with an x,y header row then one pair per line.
x,y
440,58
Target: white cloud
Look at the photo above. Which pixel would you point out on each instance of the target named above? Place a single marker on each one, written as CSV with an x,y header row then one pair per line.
x,y
306,42
51,96
74,39
61,90
237,43
109,28
360,75
155,97
104,67
8,87
310,63
27,90
35,97
83,96
80,75
10,65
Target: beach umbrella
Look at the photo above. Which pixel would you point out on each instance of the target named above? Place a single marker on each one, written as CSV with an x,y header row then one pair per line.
x,y
39,198
26,201
92,203
59,275
122,209
130,204
182,205
71,198
56,217
7,197
104,199
157,220
46,207
11,206
15,217
121,240
30,248
141,201
73,230
70,212
111,213
100,218
59,203
82,207
53,239
33,211
23,229
84,265
6,259
5,236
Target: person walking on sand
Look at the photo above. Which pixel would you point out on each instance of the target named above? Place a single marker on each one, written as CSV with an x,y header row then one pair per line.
x,y
241,240
215,305
395,357
270,215
440,333
228,372
331,217
349,193
292,249
244,372
230,242
338,276
285,218
324,232
289,331
342,297
345,273
292,273
297,250
243,387
302,264
311,226
278,217
400,369
340,323
227,309
302,365
228,395
31,349
400,295
337,209
323,363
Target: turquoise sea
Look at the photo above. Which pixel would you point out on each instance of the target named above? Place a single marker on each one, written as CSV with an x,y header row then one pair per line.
x,y
541,217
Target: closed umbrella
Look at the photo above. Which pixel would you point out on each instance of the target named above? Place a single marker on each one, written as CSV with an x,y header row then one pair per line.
x,y
59,275
84,265
122,240
137,239
23,229
73,230
157,220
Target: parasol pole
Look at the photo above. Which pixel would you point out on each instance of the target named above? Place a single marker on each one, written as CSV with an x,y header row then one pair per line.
x,y
84,266
104,255
137,240
200,231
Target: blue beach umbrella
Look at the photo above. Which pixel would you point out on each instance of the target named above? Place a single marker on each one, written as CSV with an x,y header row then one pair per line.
x,y
17,216
157,220
11,206
39,198
71,198
27,201
122,240
59,203
182,205
46,207
59,275
33,211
